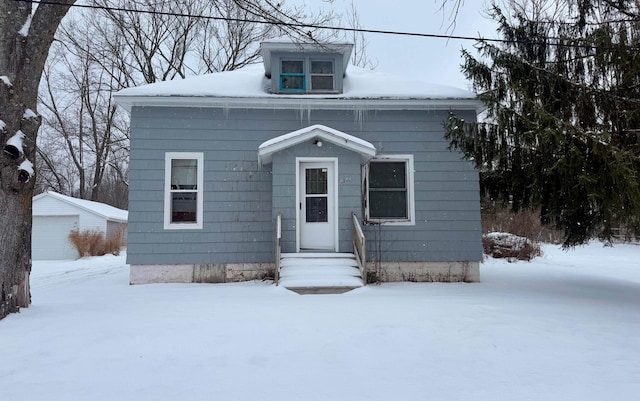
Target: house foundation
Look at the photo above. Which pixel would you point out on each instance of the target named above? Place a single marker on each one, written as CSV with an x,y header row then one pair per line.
x,y
444,272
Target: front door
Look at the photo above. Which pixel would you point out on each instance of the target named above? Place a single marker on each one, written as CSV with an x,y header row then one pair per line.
x,y
316,207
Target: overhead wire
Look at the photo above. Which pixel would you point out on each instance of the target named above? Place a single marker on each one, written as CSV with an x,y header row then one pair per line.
x,y
320,27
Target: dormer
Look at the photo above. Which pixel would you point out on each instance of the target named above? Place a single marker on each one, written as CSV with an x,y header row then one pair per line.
x,y
305,68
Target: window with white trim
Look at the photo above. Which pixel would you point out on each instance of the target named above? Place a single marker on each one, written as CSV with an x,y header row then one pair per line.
x,y
389,189
183,190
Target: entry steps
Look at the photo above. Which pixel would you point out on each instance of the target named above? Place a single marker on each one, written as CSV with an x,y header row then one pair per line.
x,y
319,273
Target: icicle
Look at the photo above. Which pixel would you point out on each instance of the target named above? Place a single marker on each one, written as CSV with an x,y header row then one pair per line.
x,y
359,115
13,148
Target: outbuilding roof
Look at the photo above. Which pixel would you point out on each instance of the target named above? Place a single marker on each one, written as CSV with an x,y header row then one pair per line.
x,y
103,210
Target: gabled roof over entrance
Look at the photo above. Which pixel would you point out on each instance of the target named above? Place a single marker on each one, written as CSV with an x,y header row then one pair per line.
x,y
320,132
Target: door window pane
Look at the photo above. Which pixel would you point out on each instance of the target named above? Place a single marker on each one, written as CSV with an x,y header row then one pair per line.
x,y
315,181
316,209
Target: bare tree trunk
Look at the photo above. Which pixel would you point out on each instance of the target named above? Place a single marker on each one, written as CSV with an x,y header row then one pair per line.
x,y
25,38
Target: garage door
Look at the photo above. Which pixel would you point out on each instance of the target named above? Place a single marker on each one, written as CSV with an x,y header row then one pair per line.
x,y
50,237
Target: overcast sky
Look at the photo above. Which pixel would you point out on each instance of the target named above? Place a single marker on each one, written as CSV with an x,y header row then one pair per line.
x,y
431,59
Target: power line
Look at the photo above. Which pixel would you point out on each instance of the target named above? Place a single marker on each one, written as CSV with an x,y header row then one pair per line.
x,y
315,26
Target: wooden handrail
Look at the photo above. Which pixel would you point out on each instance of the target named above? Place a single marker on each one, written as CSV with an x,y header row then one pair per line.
x,y
276,276
360,247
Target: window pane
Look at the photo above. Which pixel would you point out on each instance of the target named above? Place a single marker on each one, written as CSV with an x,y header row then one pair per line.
x,y
292,82
316,181
184,206
324,82
292,66
322,67
184,174
316,208
387,175
388,204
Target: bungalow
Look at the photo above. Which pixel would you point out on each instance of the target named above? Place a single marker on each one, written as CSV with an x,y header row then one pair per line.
x,y
300,161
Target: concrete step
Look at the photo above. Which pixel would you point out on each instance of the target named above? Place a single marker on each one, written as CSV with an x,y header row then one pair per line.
x,y
319,273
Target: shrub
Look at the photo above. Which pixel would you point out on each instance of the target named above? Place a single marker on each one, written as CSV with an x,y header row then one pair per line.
x,y
93,243
509,246
114,243
525,223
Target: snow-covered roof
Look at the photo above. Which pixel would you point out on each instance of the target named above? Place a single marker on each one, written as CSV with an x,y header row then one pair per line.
x,y
249,87
106,211
268,148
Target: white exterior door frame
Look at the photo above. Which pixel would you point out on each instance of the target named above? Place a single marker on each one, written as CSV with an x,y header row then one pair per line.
x,y
332,184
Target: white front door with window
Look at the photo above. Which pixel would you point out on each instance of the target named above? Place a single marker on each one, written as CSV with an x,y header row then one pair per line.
x,y
317,204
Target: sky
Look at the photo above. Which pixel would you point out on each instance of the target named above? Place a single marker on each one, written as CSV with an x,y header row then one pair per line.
x,y
431,59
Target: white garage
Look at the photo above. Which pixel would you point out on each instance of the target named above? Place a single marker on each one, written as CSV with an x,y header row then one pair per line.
x,y
56,215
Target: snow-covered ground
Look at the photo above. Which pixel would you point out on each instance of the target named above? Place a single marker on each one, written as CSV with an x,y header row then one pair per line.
x,y
565,326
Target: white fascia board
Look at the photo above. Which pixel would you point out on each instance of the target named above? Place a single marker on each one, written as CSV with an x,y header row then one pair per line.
x,y
299,102
268,148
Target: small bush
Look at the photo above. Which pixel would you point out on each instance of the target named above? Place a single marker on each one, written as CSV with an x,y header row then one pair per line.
x,y
509,246
113,244
525,223
93,243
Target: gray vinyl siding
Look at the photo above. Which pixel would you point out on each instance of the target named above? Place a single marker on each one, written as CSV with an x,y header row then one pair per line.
x,y
240,205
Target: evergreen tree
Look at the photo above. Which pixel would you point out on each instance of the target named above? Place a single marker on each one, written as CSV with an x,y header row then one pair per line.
x,y
562,130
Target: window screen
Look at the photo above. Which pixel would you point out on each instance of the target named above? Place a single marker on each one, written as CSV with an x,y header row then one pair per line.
x,y
388,190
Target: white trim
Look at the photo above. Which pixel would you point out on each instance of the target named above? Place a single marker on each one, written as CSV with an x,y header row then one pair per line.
x,y
411,206
199,157
336,220
291,101
339,138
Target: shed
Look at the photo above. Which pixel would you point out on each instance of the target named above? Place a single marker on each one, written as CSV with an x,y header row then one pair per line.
x,y
56,215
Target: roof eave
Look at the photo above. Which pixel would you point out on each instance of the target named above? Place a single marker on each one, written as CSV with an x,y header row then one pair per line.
x,y
297,102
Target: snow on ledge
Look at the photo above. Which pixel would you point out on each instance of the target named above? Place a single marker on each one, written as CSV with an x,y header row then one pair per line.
x,y
29,114
24,31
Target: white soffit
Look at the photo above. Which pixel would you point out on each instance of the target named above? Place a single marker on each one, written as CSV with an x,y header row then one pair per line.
x,y
321,132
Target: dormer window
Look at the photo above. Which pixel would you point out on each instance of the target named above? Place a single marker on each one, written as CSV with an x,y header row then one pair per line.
x,y
307,75
292,78
305,68
322,75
